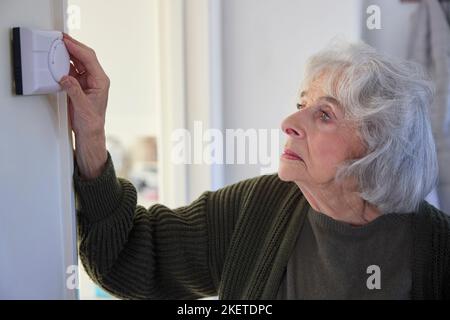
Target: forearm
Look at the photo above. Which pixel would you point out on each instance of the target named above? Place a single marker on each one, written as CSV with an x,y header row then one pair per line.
x,y
91,155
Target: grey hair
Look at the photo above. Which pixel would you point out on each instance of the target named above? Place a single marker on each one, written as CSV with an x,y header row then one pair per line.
x,y
388,99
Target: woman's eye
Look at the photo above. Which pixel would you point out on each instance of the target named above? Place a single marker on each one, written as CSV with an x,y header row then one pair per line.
x,y
324,116
300,106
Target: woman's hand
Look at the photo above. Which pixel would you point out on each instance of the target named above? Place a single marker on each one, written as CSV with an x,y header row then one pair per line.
x,y
87,88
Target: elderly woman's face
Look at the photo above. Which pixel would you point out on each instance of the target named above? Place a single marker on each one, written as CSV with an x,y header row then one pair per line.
x,y
318,134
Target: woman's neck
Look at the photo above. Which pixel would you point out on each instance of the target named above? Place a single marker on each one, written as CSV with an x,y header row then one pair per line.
x,y
340,204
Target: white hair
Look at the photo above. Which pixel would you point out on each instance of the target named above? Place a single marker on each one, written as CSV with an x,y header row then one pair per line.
x,y
388,99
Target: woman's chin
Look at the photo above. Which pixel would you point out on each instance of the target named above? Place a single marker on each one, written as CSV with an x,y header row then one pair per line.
x,y
283,177
287,174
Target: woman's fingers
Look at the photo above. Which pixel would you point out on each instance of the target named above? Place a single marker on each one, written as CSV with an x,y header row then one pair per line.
x,y
86,56
73,70
80,77
74,91
68,37
79,67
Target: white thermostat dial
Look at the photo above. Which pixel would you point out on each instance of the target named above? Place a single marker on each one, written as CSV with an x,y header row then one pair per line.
x,y
57,60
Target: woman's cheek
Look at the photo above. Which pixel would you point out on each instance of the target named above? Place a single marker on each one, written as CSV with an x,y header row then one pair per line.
x,y
331,152
330,144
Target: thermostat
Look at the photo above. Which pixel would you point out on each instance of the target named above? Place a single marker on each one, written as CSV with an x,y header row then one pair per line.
x,y
40,61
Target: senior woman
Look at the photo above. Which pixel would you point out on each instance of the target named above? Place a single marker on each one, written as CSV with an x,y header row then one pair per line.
x,y
344,218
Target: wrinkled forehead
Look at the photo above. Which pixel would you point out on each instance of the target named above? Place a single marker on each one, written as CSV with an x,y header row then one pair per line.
x,y
319,88
325,80
314,88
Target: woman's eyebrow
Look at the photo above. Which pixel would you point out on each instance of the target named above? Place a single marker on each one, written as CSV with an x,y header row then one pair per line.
x,y
335,104
330,100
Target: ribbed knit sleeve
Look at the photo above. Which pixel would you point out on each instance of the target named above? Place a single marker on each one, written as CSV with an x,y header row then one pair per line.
x,y
156,253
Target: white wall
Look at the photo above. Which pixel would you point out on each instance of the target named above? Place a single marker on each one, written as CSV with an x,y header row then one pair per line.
x,y
265,46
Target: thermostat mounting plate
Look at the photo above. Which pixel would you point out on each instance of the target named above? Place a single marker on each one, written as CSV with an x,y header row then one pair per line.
x,y
40,61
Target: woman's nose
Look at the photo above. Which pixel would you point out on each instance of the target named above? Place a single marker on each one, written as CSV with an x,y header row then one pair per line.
x,y
292,130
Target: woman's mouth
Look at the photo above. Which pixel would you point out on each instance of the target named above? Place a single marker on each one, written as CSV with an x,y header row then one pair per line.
x,y
291,155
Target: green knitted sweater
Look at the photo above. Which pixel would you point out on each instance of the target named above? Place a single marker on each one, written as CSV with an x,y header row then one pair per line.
x,y
234,242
